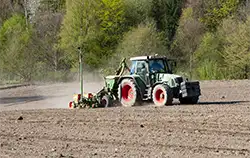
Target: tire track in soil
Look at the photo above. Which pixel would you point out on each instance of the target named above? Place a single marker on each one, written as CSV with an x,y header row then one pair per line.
x,y
129,124
135,145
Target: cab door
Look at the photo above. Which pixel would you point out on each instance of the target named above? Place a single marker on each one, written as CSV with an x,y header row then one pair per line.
x,y
142,71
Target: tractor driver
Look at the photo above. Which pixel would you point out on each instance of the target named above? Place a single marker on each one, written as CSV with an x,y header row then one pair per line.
x,y
156,66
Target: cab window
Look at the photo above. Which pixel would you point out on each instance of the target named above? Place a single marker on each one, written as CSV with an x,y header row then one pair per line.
x,y
157,65
132,70
141,66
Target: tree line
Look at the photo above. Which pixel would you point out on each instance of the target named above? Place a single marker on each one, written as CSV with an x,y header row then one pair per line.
x,y
39,41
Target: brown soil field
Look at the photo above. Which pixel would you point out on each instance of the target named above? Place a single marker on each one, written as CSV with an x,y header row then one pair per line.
x,y
35,122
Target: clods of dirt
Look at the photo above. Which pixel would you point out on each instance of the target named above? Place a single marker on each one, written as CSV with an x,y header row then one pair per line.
x,y
211,128
20,118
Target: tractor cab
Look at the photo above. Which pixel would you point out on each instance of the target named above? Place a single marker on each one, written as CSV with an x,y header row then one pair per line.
x,y
150,64
149,68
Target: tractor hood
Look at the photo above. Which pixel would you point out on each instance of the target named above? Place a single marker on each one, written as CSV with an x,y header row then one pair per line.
x,y
171,79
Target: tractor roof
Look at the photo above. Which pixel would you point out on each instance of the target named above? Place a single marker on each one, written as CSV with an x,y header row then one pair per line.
x,y
146,58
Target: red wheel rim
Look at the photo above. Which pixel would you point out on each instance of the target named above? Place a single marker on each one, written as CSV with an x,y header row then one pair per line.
x,y
70,105
159,96
127,93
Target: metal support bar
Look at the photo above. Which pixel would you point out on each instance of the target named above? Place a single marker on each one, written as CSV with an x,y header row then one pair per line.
x,y
81,72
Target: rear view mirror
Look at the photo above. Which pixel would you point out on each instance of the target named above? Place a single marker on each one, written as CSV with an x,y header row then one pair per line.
x,y
172,64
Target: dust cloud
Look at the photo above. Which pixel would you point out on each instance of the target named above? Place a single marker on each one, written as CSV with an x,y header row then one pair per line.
x,y
49,95
92,83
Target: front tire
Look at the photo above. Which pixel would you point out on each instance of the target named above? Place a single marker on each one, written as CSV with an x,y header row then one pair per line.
x,y
162,95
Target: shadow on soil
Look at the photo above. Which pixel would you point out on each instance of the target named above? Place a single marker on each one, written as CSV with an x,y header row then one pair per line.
x,y
222,102
16,100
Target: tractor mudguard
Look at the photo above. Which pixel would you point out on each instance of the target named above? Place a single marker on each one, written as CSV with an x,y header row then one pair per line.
x,y
156,83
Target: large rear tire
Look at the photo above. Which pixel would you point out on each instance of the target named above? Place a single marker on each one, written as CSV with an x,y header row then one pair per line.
x,y
162,95
128,93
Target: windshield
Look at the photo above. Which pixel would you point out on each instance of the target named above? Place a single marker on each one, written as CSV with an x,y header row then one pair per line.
x,y
157,65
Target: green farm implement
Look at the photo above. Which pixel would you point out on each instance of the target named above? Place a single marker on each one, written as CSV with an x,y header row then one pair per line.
x,y
149,78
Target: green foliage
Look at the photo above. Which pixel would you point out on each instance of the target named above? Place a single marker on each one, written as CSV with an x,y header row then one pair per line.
x,y
137,11
111,16
79,29
187,40
237,53
208,57
45,38
225,53
210,47
5,10
208,37
14,42
112,23
53,5
10,7
96,26
209,70
143,40
216,11
166,14
188,35
43,73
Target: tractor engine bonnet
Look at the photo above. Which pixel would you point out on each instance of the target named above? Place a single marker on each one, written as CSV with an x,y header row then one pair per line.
x,y
171,79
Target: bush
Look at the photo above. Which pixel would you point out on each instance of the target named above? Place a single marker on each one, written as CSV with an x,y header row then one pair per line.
x,y
188,37
209,70
236,52
208,58
15,53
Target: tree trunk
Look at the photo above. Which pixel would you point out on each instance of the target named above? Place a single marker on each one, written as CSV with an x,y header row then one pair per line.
x,y
246,72
25,13
1,73
56,61
191,66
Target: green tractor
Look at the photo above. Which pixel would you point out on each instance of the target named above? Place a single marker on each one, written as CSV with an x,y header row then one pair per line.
x,y
149,78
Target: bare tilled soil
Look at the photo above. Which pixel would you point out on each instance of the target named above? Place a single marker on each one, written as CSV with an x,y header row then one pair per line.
x,y
219,126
